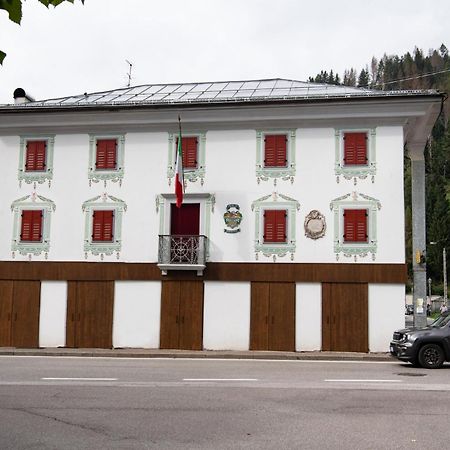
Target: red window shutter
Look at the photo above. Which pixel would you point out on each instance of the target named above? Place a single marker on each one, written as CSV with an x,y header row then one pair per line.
x,y
102,226
35,156
189,146
106,155
275,225
355,149
355,225
31,227
275,150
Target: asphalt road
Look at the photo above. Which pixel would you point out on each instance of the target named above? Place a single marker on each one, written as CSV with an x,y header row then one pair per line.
x,y
101,403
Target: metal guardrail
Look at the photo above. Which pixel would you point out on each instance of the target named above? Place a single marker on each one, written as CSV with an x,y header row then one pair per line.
x,y
182,249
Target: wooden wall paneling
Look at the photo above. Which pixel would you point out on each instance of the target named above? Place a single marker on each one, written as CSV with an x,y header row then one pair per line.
x,y
259,316
191,315
326,317
94,314
263,272
348,312
26,307
170,315
282,317
6,303
71,317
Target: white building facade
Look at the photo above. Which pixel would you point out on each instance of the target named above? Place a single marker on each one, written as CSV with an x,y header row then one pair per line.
x,y
292,221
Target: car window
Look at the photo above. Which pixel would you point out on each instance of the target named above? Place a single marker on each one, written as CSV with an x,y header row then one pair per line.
x,y
441,321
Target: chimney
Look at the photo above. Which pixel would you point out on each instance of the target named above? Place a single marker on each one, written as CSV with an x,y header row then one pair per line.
x,y
21,97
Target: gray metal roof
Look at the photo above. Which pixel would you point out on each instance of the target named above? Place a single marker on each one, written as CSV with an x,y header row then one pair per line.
x,y
213,92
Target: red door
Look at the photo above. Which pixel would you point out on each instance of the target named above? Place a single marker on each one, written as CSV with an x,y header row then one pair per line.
x,y
185,220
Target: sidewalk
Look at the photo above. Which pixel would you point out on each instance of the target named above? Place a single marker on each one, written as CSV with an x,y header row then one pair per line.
x,y
207,354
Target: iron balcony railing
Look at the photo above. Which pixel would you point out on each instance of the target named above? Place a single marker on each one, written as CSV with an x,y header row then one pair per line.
x,y
182,250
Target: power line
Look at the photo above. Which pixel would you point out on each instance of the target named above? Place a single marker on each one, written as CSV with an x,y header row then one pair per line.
x,y
413,78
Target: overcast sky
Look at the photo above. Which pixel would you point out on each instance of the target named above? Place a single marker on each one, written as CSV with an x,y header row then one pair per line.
x,y
74,49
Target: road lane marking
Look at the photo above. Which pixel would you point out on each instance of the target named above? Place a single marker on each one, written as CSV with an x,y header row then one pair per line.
x,y
220,379
364,381
77,379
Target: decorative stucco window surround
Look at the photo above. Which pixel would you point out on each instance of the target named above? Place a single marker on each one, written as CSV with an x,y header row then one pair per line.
x,y
355,200
284,173
115,175
191,175
103,202
355,171
32,202
36,176
275,201
207,202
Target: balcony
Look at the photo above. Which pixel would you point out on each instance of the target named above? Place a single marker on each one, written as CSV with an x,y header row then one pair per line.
x,y
179,252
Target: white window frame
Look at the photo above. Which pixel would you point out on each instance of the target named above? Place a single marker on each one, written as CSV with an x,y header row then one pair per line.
x,y
32,202
275,201
355,200
114,175
284,173
103,202
355,172
35,176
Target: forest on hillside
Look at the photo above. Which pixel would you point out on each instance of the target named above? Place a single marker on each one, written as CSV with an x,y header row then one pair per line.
x,y
417,70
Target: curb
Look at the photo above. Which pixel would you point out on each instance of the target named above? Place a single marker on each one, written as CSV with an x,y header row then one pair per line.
x,y
200,354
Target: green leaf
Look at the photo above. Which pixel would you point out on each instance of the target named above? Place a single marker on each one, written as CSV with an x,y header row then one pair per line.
x,y
14,9
2,56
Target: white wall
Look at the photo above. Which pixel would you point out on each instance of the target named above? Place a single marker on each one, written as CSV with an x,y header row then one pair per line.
x,y
230,175
52,317
386,314
137,312
226,316
308,317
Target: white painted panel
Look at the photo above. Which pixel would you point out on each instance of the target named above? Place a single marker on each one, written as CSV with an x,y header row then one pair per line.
x,y
386,314
53,310
308,320
137,311
226,317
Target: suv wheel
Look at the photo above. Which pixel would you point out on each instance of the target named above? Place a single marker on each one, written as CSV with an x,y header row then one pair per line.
x,y
431,356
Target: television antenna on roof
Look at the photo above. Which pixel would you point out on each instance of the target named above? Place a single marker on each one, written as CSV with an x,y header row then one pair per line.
x,y
129,72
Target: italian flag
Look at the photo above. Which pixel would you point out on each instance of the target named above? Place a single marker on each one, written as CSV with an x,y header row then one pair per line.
x,y
179,179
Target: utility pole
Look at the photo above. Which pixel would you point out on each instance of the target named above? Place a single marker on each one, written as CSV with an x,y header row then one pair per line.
x,y
444,262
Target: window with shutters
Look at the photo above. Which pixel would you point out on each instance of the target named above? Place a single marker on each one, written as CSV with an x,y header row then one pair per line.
x,y
36,159
193,149
275,226
355,154
355,225
275,217
106,158
31,225
275,155
31,232
103,225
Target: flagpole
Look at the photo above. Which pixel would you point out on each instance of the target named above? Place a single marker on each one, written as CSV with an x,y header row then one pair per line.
x,y
179,178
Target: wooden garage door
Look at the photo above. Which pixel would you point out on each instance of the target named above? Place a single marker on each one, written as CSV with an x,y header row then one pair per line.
x,y
182,315
19,313
345,317
90,314
272,321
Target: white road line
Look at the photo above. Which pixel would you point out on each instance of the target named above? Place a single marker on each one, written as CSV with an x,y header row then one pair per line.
x,y
220,379
364,381
78,379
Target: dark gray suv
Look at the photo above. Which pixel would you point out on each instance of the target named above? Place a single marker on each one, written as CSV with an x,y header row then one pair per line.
x,y
427,347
